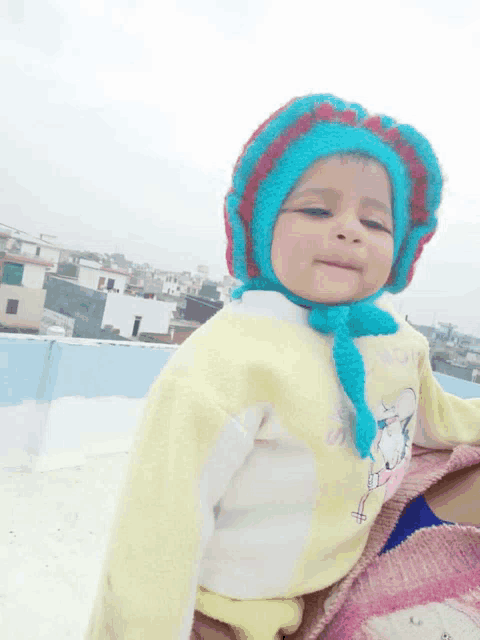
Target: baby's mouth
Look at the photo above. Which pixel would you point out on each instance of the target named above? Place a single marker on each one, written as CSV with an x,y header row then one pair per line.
x,y
338,266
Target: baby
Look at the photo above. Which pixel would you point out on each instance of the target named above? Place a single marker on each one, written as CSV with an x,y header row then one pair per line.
x,y
275,433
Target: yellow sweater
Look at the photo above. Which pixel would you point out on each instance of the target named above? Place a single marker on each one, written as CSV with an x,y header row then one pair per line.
x,y
244,479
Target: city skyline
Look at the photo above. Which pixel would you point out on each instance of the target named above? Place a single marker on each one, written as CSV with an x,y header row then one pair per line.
x,y
130,141
419,316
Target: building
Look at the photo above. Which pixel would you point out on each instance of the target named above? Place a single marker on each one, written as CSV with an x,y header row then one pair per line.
x,y
454,369
78,309
209,291
197,284
103,313
24,263
179,331
180,284
200,309
138,312
93,275
473,357
75,291
20,243
76,297
21,292
196,302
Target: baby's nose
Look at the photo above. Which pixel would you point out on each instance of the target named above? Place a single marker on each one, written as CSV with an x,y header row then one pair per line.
x,y
348,223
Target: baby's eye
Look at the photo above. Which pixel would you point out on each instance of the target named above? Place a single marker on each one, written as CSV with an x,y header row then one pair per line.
x,y
314,211
376,225
318,211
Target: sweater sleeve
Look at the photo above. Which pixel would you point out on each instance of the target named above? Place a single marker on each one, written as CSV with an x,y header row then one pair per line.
x,y
185,453
445,420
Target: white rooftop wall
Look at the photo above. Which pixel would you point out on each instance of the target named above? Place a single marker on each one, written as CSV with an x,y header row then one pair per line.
x,y
50,255
121,310
33,276
89,276
63,400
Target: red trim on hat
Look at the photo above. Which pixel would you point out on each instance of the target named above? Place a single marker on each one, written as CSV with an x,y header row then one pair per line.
x,y
259,130
419,193
392,135
418,170
401,148
324,112
422,242
348,117
409,155
228,230
418,173
265,164
418,215
374,123
255,134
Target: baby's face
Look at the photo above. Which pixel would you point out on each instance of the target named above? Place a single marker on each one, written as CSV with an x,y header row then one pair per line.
x,y
340,211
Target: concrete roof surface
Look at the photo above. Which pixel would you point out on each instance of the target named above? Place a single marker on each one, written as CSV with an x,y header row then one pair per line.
x,y
54,539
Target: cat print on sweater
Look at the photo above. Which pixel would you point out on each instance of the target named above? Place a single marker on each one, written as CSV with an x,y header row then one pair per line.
x,y
392,442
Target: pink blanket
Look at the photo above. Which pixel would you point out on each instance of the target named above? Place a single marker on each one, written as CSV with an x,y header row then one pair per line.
x,y
402,591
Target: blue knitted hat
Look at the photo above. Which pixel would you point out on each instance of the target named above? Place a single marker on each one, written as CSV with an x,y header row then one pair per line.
x,y
273,160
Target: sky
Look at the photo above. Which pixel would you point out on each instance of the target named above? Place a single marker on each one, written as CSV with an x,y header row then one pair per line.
x,y
121,120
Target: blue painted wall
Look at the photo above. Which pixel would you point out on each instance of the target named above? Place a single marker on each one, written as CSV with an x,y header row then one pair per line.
x,y
22,365
457,386
43,369
118,369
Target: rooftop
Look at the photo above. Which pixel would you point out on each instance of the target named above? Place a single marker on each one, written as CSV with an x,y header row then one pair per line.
x,y
21,257
63,467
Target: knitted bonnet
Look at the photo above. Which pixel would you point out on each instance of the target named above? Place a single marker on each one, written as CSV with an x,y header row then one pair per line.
x,y
271,163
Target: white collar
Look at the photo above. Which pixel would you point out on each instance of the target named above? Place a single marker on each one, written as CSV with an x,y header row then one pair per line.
x,y
267,303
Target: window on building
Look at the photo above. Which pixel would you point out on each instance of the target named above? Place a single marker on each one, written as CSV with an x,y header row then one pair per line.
x,y
12,306
12,273
110,283
37,252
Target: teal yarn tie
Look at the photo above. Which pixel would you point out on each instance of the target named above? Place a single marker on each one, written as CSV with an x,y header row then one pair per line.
x,y
345,322
351,371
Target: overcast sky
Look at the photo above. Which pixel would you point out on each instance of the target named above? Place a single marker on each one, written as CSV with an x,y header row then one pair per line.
x,y
120,120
